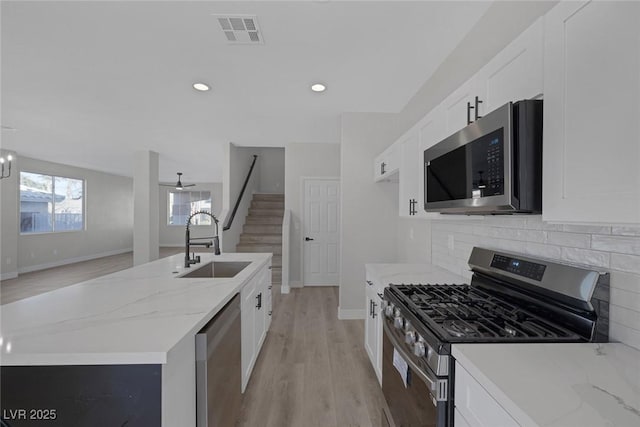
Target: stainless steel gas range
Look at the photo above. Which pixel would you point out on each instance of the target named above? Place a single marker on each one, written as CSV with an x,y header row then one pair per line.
x,y
511,298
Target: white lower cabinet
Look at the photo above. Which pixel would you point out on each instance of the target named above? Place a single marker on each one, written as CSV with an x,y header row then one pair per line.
x,y
256,319
373,326
591,110
459,421
474,406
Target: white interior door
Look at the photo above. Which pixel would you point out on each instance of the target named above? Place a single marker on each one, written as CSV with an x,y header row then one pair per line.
x,y
321,232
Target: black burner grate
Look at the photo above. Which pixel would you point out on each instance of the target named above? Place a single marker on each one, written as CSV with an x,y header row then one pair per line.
x,y
461,313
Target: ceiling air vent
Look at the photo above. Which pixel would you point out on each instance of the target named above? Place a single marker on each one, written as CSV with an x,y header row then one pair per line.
x,y
240,29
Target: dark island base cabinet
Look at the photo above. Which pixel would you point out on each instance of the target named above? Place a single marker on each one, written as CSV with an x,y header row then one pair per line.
x,y
81,396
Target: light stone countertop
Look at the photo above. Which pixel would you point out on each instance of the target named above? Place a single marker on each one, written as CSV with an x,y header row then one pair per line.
x,y
559,385
134,316
385,274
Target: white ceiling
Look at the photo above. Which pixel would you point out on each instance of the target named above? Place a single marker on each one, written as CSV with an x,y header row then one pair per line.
x,y
89,83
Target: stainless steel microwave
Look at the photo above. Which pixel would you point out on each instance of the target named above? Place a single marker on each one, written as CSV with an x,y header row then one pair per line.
x,y
492,166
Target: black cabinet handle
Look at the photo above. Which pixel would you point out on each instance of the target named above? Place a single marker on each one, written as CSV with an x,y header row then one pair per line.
x,y
478,102
380,295
369,282
373,309
412,207
307,239
382,165
469,108
259,298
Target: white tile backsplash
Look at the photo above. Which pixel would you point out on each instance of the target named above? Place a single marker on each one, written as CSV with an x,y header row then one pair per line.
x,y
629,263
610,248
586,257
572,240
620,244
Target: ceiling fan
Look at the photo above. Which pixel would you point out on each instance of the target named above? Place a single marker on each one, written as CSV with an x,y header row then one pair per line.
x,y
178,185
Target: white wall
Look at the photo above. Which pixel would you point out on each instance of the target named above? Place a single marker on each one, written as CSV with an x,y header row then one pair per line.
x,y
236,169
304,160
108,218
146,218
271,165
369,209
173,235
9,220
609,248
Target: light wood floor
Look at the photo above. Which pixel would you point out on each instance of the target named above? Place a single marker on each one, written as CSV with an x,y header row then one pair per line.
x,y
313,369
37,282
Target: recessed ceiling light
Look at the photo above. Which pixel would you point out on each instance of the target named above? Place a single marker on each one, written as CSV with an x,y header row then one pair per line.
x,y
201,87
318,87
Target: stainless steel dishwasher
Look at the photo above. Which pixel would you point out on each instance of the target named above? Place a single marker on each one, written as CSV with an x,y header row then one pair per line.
x,y
218,369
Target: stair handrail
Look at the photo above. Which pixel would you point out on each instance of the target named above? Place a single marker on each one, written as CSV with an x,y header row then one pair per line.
x,y
244,187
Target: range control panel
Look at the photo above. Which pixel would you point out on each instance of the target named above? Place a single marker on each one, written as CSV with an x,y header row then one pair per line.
x,y
530,270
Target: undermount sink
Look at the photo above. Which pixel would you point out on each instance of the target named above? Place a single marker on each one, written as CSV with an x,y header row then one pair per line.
x,y
217,269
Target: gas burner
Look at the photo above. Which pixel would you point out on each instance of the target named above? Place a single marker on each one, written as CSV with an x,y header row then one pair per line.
x,y
458,329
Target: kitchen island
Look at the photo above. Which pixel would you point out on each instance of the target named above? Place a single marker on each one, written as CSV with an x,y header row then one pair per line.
x,y
141,320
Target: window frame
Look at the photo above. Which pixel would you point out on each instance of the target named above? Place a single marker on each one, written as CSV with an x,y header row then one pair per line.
x,y
173,190
53,204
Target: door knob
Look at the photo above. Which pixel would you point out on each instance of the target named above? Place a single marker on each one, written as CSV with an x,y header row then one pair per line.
x,y
308,239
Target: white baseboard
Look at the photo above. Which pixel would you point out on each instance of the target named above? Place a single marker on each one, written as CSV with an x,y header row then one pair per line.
x,y
9,275
295,283
318,284
72,260
344,314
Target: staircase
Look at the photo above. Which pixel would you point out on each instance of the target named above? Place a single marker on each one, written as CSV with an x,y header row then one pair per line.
x,y
262,230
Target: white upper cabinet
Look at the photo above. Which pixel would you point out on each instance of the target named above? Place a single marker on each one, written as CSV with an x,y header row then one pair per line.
x,y
409,193
515,73
431,130
427,132
591,114
387,164
459,107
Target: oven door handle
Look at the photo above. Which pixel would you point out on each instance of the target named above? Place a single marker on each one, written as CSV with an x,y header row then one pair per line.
x,y
437,387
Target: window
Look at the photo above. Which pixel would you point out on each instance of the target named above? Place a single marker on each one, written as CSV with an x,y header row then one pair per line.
x,y
184,203
50,203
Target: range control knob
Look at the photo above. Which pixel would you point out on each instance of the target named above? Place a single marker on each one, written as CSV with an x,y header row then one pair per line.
x,y
407,325
410,337
398,322
419,349
388,310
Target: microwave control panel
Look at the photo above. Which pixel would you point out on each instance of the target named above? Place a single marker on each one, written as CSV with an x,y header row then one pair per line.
x,y
487,155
